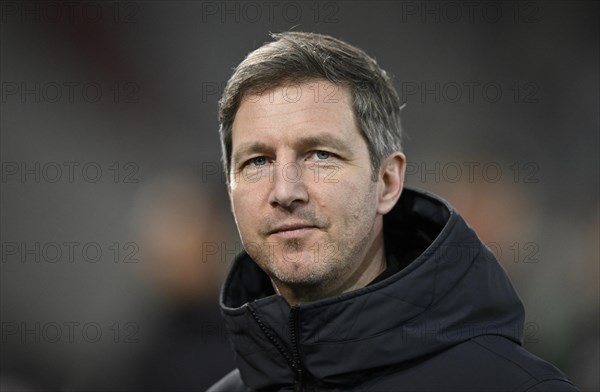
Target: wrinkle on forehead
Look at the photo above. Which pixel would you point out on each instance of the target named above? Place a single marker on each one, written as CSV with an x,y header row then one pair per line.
x,y
263,124
321,95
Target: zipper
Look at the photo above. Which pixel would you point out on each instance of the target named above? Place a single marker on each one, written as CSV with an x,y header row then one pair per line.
x,y
294,332
294,359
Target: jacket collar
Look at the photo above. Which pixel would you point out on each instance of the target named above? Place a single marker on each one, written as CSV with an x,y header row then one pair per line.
x,y
452,291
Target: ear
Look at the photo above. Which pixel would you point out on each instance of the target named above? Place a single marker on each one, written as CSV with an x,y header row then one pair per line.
x,y
390,182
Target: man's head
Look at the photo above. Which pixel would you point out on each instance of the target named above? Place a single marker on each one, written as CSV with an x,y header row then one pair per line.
x,y
296,57
311,138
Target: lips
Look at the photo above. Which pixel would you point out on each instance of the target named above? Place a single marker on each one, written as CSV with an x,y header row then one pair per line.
x,y
292,229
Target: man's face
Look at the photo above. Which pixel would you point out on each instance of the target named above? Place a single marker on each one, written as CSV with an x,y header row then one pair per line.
x,y
300,186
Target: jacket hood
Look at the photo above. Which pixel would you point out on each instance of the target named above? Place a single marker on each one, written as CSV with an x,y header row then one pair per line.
x,y
451,290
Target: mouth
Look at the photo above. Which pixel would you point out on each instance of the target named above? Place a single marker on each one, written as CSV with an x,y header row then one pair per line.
x,y
290,231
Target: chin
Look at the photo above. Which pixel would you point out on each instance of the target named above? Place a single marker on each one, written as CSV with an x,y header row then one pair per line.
x,y
300,273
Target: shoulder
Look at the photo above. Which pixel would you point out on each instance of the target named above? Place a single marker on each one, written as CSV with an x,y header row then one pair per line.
x,y
232,382
514,362
486,363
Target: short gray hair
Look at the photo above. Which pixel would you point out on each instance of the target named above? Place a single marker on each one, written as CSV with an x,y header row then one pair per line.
x,y
298,57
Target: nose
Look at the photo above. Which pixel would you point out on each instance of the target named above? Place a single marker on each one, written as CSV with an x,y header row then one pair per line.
x,y
288,188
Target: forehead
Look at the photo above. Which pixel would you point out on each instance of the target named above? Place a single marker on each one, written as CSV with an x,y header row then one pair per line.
x,y
311,108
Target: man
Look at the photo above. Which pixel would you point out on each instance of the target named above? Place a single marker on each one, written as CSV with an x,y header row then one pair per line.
x,y
349,281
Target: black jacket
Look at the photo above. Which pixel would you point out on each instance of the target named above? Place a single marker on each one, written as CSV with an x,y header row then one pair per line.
x,y
449,320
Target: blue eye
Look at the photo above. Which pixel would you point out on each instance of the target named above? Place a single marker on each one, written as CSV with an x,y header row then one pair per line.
x,y
258,161
323,154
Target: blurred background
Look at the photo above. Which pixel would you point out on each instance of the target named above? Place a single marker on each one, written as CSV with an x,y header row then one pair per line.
x,y
115,225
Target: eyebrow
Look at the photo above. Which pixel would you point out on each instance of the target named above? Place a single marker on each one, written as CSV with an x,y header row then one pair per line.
x,y
250,148
323,140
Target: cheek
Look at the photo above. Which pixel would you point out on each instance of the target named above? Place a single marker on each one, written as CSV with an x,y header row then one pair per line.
x,y
364,203
344,201
242,209
250,207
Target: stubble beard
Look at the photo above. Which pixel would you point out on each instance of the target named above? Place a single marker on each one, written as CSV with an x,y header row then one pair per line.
x,y
325,275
